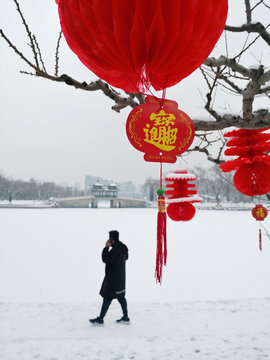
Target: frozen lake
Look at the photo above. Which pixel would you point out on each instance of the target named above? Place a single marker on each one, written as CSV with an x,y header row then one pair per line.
x,y
214,302
53,255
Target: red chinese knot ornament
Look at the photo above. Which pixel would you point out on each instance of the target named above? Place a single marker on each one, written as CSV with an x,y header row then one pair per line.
x,y
161,255
160,130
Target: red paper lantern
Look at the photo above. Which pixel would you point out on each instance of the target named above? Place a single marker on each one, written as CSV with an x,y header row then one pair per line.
x,y
160,130
252,166
132,43
259,212
181,196
253,179
181,211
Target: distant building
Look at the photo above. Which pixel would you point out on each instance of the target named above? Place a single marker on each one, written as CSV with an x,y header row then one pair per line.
x,y
89,181
99,190
125,189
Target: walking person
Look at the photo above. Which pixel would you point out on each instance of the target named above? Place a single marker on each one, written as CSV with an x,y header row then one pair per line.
x,y
114,283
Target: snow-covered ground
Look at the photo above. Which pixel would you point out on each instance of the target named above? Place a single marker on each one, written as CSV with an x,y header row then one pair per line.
x,y
214,302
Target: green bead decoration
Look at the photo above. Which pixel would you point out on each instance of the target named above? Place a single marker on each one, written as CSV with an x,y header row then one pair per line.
x,y
160,192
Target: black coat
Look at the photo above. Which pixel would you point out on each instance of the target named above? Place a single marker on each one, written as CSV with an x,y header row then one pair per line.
x,y
114,283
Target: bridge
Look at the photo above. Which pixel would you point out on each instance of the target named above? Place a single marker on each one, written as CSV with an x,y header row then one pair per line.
x,y
92,202
101,192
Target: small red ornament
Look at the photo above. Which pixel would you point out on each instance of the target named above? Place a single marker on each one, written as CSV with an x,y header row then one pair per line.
x,y
180,206
160,130
252,166
259,212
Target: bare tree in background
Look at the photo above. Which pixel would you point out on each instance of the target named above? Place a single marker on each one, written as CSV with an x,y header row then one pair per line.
x,y
223,73
150,187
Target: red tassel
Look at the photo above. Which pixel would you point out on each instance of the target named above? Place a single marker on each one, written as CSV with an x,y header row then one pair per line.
x,y
161,257
260,239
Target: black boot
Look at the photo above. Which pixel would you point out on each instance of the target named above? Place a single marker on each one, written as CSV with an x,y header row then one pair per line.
x,y
97,321
124,320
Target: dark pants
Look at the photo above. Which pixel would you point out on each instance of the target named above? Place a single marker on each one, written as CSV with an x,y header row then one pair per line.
x,y
107,302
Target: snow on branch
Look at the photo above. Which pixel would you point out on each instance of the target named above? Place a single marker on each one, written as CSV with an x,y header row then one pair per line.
x,y
252,28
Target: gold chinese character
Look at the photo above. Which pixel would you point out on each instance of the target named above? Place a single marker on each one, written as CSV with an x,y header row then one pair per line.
x,y
260,213
162,134
162,118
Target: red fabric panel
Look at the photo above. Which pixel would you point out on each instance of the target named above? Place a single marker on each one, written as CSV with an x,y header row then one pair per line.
x,y
248,151
249,140
244,132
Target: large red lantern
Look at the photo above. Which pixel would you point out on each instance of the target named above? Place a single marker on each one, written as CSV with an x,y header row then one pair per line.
x,y
252,166
136,43
160,130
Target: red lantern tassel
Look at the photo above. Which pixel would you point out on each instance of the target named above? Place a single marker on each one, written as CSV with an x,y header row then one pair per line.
x,y
161,257
260,239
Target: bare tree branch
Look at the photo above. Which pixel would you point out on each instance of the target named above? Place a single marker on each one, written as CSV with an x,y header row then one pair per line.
x,y
254,7
252,28
248,12
57,54
267,6
39,53
17,51
205,151
32,43
121,102
231,84
230,63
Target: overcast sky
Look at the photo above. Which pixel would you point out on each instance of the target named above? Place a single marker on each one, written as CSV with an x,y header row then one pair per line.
x,y
52,132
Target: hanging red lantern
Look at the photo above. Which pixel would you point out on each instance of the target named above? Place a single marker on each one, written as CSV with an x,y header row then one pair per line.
x,y
181,195
134,43
252,166
181,211
160,130
259,212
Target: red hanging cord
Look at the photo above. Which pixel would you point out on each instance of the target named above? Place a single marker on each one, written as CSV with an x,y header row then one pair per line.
x,y
161,255
260,239
160,175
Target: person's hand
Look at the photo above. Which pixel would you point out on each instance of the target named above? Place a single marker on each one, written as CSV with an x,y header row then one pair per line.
x,y
108,243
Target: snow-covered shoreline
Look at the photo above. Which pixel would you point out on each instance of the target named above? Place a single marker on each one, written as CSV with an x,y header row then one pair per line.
x,y
53,204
